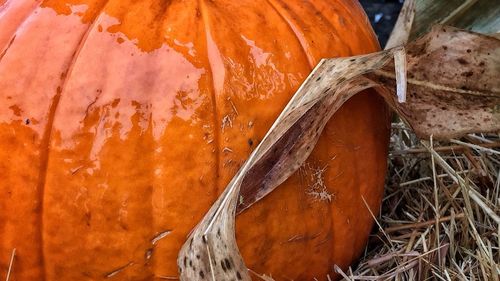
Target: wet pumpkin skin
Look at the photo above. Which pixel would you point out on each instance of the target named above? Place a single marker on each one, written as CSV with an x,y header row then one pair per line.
x,y
121,120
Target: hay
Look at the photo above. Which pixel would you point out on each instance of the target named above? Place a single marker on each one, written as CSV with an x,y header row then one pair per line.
x,y
440,214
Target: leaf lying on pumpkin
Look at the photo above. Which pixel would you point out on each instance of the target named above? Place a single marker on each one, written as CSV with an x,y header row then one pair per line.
x,y
211,248
453,89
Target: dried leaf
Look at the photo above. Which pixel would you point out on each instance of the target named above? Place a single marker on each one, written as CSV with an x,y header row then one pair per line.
x,y
464,96
475,15
402,30
453,85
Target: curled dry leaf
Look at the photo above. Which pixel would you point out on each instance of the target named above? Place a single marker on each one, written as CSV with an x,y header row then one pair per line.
x,y
211,248
453,89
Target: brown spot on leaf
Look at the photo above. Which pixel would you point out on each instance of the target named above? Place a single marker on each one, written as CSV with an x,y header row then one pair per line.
x,y
467,74
462,61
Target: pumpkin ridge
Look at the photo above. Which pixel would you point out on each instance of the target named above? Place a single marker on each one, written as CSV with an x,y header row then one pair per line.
x,y
215,111
44,160
296,32
45,143
13,36
2,54
323,18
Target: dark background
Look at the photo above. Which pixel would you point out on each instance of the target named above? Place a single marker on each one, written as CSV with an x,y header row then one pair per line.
x,y
383,14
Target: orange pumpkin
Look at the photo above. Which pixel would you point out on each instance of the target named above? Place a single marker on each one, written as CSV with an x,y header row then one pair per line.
x,y
121,121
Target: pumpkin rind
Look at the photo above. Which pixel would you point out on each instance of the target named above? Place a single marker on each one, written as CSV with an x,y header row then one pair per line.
x,y
121,121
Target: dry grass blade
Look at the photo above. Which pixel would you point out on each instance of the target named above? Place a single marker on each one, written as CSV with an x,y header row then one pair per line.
x,y
448,148
478,147
261,276
11,264
211,250
423,224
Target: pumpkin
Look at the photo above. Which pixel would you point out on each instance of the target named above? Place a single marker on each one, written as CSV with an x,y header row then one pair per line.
x,y
121,122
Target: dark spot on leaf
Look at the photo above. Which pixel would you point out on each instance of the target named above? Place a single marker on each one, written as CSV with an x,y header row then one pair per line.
x,y
467,74
462,61
228,263
223,265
